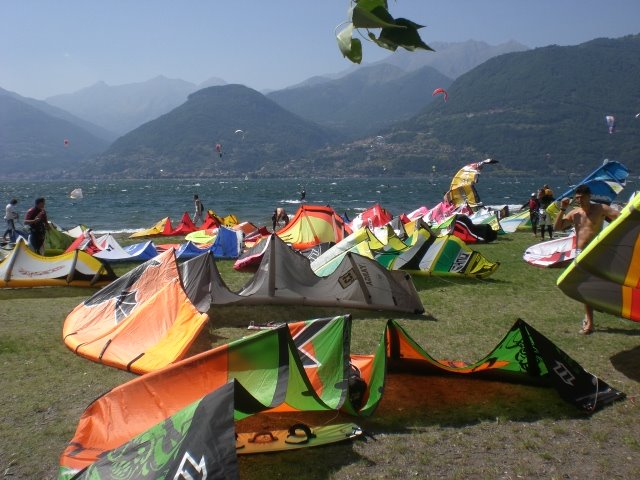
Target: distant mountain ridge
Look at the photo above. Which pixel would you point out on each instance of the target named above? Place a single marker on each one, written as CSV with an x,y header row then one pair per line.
x,y
34,143
539,111
64,115
365,101
122,108
254,133
452,58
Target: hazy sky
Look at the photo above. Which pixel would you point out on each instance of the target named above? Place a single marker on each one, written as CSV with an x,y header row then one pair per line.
x,y
48,47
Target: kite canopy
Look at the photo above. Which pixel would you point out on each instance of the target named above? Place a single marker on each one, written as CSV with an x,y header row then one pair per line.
x,y
56,241
304,367
375,216
462,189
312,225
441,91
141,322
112,251
285,277
162,227
517,221
199,438
558,252
468,175
462,227
606,275
24,268
611,123
423,252
149,318
605,183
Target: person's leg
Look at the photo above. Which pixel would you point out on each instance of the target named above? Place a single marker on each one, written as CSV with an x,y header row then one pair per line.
x,y
550,227
587,323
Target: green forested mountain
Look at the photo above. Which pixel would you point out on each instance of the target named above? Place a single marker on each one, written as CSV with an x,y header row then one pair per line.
x,y
365,101
33,142
542,110
255,135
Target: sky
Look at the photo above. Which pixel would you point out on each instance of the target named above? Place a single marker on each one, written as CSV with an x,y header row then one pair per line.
x,y
52,47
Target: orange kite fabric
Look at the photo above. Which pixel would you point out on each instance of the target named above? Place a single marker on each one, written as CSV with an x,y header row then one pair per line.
x,y
142,322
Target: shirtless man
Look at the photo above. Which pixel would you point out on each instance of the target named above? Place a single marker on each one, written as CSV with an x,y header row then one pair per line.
x,y
587,219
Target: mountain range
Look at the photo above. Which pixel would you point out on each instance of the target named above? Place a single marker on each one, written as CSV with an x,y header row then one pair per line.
x,y
37,142
122,108
534,110
218,131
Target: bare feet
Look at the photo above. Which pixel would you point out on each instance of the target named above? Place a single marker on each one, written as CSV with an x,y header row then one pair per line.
x,y
587,329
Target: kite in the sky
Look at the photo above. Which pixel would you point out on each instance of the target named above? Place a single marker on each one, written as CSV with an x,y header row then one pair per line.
x,y
611,122
438,91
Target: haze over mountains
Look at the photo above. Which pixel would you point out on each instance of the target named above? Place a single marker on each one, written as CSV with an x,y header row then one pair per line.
x,y
122,108
522,108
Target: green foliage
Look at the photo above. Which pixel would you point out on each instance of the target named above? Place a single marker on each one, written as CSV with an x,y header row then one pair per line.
x,y
374,14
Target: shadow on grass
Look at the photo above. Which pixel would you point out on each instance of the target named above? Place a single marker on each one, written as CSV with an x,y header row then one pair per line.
x,y
46,292
315,463
410,403
243,316
622,331
426,282
627,362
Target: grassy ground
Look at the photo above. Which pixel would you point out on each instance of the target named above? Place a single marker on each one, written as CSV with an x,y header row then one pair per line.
x,y
425,427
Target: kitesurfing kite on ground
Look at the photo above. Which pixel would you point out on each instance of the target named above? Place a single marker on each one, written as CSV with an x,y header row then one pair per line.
x,y
24,268
299,367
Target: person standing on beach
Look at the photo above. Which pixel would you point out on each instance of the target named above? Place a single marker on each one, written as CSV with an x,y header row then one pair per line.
x,y
10,216
197,216
587,219
545,197
279,215
534,213
38,223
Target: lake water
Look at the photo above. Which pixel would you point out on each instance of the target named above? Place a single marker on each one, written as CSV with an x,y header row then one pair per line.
x,y
128,205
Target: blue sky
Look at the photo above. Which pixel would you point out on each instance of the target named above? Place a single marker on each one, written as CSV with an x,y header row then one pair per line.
x,y
50,47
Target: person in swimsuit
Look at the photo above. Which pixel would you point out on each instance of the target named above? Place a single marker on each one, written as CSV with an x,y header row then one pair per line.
x,y
587,219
